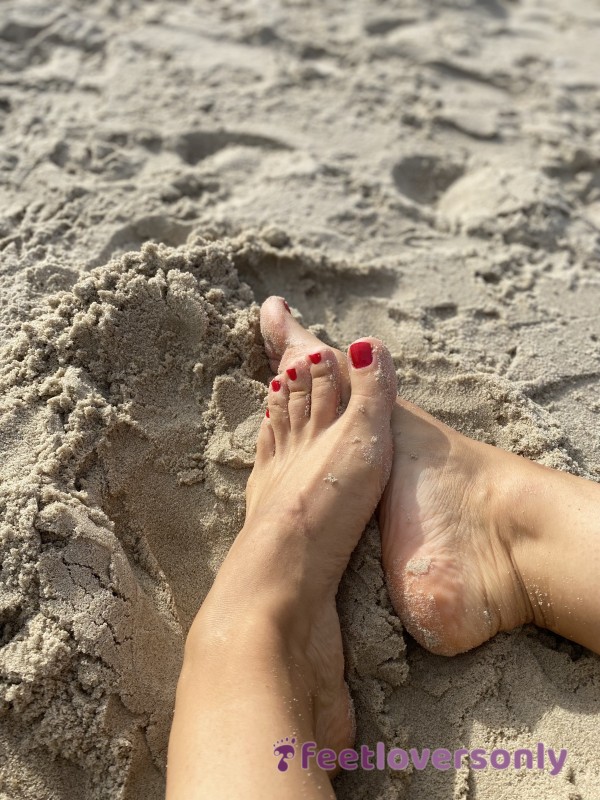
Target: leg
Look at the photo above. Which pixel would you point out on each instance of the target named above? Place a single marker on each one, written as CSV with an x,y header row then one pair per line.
x,y
264,656
475,540
553,522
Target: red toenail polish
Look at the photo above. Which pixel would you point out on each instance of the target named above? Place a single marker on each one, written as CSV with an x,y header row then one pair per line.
x,y
275,385
292,374
287,308
315,357
361,354
267,413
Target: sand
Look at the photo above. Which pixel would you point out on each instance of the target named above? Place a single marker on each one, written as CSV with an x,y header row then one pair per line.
x,y
424,172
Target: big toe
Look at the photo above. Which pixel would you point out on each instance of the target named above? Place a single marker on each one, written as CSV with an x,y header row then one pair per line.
x,y
283,334
286,340
372,378
373,393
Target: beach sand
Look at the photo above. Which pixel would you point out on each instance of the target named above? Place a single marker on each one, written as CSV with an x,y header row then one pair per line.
x,y
425,172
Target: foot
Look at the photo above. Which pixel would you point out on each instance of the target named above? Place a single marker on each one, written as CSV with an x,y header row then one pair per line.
x,y
446,544
318,476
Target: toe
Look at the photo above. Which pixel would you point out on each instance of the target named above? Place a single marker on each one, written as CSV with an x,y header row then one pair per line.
x,y
298,381
277,403
325,391
368,415
286,340
372,378
281,332
265,444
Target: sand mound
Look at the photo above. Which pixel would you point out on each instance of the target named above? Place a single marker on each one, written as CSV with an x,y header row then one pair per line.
x,y
129,413
105,424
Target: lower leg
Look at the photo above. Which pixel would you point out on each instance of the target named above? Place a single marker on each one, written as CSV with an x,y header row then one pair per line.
x,y
553,522
264,656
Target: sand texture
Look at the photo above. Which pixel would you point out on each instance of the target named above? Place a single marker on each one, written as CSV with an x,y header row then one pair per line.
x,y
425,172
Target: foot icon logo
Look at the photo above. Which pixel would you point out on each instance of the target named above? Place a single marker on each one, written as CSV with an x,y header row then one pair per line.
x,y
285,749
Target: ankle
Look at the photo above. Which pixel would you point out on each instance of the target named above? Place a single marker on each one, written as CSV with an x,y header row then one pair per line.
x,y
259,590
519,495
221,647
249,631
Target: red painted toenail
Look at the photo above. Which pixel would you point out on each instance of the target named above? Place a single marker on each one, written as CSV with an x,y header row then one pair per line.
x,y
275,385
292,374
315,357
287,308
361,354
267,413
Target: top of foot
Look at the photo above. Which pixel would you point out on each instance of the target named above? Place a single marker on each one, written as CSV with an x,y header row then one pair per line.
x,y
318,476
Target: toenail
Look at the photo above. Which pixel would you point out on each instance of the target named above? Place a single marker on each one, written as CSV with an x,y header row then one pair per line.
x,y
275,385
361,354
287,308
292,374
267,413
315,357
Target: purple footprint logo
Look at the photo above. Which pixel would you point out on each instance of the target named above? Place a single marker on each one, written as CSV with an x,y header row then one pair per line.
x,y
285,749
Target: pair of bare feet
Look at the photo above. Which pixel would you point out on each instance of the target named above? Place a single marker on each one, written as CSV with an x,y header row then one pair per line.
x,y
321,473
460,521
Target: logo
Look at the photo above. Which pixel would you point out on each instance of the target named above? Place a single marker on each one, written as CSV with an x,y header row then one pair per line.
x,y
286,750
538,757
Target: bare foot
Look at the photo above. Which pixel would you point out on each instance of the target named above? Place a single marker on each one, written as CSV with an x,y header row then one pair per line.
x,y
318,477
447,554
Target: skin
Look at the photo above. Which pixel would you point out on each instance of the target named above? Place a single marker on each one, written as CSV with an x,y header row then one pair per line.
x,y
264,656
475,540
